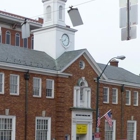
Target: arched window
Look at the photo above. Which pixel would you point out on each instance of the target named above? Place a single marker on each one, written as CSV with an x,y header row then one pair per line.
x,y
8,37
32,42
82,94
17,39
48,13
60,12
25,42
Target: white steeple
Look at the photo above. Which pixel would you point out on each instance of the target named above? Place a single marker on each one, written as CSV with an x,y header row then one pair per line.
x,y
54,12
54,37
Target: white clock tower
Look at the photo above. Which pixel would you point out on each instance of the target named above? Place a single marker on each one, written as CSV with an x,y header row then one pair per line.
x,y
54,37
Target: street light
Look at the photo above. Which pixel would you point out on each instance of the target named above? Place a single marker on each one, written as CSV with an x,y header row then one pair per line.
x,y
98,82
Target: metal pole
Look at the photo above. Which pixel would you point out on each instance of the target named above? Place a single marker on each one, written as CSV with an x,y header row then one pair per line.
x,y
97,104
128,20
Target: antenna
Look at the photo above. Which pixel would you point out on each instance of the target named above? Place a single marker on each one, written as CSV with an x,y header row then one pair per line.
x,y
25,29
75,16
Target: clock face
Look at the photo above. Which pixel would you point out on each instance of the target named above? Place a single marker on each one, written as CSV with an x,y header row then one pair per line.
x,y
65,40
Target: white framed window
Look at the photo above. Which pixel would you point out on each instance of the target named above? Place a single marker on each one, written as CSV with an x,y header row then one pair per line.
x,y
82,94
7,127
114,96
8,37
131,130
135,98
110,132
43,128
36,87
60,12
128,97
49,13
1,83
105,95
14,84
49,88
17,39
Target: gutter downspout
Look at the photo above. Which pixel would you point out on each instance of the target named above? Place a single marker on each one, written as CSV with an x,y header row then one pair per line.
x,y
26,77
122,110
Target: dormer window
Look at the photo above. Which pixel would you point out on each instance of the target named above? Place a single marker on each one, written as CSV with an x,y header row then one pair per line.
x,y
82,94
48,13
60,12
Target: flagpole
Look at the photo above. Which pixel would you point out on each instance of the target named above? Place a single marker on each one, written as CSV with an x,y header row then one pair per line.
x,y
105,114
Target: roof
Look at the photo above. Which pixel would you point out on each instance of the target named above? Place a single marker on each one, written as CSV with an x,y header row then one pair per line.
x,y
38,59
120,74
33,58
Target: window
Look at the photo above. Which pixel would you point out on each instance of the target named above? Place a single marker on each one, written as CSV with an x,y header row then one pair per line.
x,y
81,64
32,42
135,98
110,132
7,127
0,38
131,130
49,88
105,95
17,39
37,87
114,96
128,97
8,37
1,83
60,12
48,13
82,94
14,84
43,128
25,42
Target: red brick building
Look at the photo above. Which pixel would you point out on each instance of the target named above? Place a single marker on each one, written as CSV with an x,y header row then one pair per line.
x,y
10,29
51,94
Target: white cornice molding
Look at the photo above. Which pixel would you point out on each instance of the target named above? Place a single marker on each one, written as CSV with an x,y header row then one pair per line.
x,y
119,83
22,68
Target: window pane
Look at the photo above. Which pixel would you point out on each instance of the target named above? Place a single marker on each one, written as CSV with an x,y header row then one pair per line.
x,y
105,94
1,81
25,42
0,38
13,83
41,129
49,13
60,12
8,37
108,131
130,130
17,39
5,128
49,88
32,43
36,86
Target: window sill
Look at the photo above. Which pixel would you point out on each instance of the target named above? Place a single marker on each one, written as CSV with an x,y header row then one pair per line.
x,y
128,104
49,97
36,96
79,108
16,94
115,103
106,102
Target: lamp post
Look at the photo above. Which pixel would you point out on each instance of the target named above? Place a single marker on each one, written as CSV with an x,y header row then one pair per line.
x,y
97,92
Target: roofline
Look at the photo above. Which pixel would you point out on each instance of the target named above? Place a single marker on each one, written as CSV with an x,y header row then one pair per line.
x,y
17,18
33,69
91,61
115,82
52,26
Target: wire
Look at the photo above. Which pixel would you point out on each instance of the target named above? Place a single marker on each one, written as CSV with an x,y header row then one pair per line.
x,y
64,8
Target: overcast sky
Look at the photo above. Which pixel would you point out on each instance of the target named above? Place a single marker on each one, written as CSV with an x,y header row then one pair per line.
x,y
100,34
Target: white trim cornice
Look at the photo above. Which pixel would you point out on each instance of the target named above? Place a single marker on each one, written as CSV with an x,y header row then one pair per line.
x,y
33,70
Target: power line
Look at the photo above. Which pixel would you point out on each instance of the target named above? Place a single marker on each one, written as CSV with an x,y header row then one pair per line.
x,y
64,8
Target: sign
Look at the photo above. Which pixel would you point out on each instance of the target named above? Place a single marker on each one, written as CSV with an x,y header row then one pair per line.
x,y
132,33
97,136
81,129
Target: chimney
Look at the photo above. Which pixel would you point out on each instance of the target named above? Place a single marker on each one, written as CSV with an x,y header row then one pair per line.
x,y
114,63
